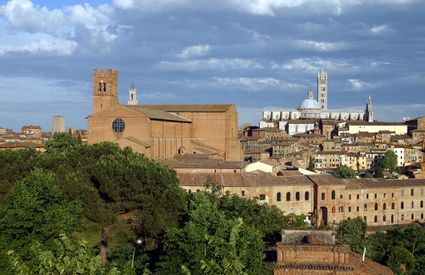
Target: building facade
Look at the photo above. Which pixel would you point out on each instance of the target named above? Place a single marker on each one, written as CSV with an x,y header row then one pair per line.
x,y
311,111
161,131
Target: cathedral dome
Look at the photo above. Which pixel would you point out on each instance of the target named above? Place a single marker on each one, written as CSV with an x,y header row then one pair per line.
x,y
309,102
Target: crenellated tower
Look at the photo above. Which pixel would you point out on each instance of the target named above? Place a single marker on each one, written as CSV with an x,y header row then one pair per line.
x,y
322,89
105,89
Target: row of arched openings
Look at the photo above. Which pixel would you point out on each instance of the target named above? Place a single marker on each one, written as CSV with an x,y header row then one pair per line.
x,y
297,196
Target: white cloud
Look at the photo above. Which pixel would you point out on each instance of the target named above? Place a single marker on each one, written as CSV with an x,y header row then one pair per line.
x,y
312,64
210,64
254,83
23,16
194,51
257,7
357,84
379,29
37,43
318,46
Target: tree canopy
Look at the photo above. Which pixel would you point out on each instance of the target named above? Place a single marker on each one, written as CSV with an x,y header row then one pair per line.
x,y
344,172
390,161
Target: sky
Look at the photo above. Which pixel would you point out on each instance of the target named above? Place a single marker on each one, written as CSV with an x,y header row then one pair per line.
x,y
257,54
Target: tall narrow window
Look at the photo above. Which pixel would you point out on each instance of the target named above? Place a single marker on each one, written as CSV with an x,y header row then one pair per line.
x,y
402,205
365,207
393,206
375,219
307,196
384,206
376,206
297,196
333,194
278,196
288,196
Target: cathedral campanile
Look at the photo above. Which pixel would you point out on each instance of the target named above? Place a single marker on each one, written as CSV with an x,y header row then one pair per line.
x,y
322,89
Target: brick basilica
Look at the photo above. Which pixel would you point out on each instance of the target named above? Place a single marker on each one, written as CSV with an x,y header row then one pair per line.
x,y
161,131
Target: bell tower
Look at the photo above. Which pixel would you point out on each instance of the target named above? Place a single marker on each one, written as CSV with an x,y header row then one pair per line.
x,y
369,109
132,95
105,89
322,89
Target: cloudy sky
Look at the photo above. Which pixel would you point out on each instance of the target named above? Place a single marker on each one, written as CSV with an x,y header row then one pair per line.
x,y
257,54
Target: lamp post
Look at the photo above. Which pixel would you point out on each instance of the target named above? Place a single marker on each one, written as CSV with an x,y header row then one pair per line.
x,y
138,242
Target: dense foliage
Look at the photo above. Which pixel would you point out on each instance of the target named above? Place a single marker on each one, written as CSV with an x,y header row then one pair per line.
x,y
403,250
344,172
389,162
51,202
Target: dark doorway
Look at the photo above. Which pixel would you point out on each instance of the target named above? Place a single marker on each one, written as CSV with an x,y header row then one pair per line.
x,y
323,216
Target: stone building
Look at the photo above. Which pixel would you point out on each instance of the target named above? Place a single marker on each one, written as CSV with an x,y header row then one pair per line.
x,y
311,112
315,252
326,200
161,131
379,202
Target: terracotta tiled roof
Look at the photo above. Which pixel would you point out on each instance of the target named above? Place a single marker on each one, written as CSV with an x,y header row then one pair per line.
x,y
240,179
325,180
189,107
381,183
11,145
157,114
201,161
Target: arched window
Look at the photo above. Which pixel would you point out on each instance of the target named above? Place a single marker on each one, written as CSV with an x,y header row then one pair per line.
x,y
402,217
392,206
307,196
100,86
422,204
384,218
384,206
365,207
402,205
375,219
412,204
333,195
392,218
376,206
297,196
288,196
412,217
365,218
278,196
422,216
104,87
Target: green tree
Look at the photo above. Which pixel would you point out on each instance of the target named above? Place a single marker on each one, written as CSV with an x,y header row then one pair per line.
x,y
390,161
379,172
311,165
34,210
61,141
64,256
210,243
15,165
352,232
401,261
344,172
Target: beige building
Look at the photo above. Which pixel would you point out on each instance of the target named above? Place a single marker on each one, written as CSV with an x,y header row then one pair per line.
x,y
379,202
355,127
324,198
161,131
